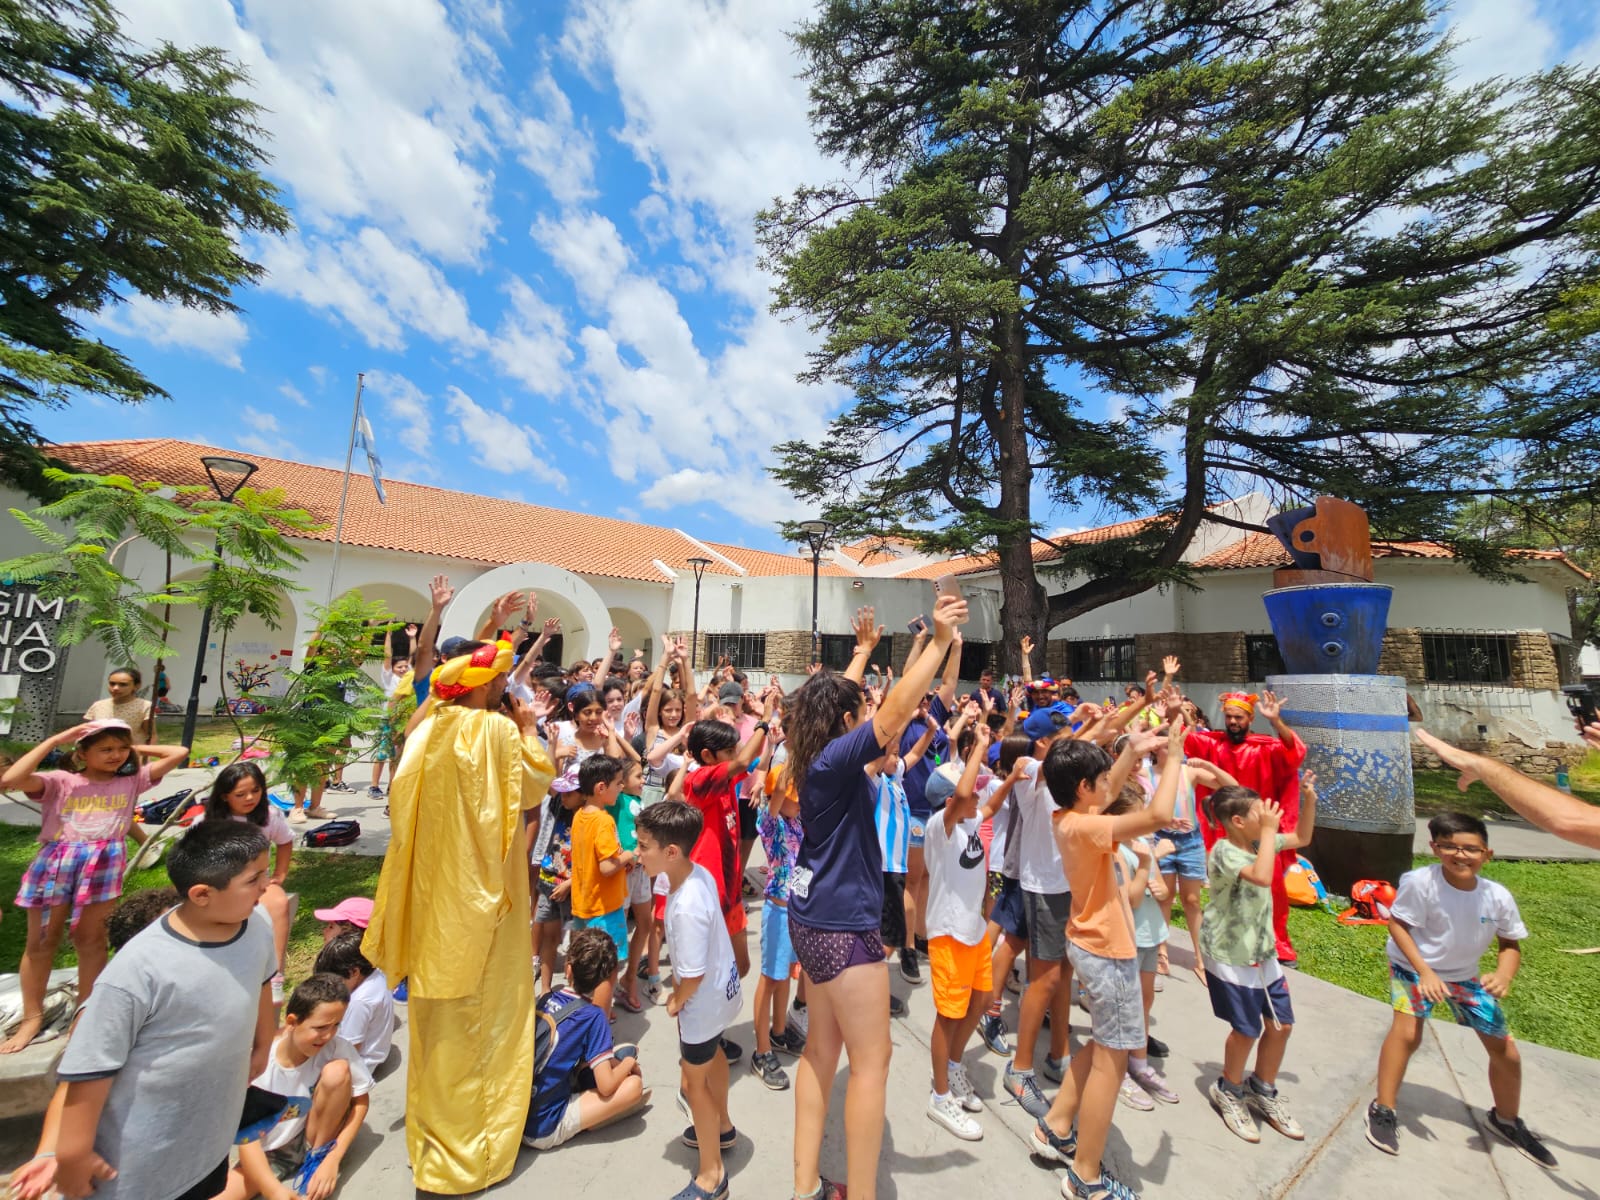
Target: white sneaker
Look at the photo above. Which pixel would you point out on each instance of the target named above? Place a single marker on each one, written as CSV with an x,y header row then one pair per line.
x,y
952,1116
961,1088
1134,1096
297,816
800,1018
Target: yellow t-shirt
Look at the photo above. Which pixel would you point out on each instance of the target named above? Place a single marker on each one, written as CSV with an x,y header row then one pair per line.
x,y
1101,921
594,839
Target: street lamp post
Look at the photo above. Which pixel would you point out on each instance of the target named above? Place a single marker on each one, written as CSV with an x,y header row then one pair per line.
x,y
227,476
699,564
817,534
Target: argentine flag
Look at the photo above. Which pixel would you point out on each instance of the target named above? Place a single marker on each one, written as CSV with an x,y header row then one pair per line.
x,y
374,463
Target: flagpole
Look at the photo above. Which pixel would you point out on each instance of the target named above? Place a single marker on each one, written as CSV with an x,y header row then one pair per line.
x,y
344,492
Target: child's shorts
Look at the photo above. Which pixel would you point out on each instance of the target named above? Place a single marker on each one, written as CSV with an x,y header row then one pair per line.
x,y
1008,911
613,924
75,873
1116,1003
698,1054
286,1161
777,951
958,971
1248,1009
892,918
1149,959
383,743
638,886
1188,857
1469,1003
553,910
1047,914
660,889
570,1125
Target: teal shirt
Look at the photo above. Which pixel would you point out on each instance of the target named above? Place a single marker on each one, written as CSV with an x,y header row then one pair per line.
x,y
625,812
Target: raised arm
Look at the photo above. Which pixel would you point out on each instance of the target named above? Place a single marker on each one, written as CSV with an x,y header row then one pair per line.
x,y
1027,662
919,643
440,594
868,634
920,747
499,615
965,802
613,653
20,777
1549,808
1271,707
1158,813
894,714
751,750
166,759
1307,824
952,672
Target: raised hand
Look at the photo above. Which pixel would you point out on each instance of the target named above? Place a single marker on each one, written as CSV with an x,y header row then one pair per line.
x,y
543,704
1269,706
507,604
1027,646
631,724
1170,665
532,609
440,591
1271,816
552,626
1019,697
813,668
615,641
971,711
866,627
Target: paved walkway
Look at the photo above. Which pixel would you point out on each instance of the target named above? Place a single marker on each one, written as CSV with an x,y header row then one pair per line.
x,y
1514,838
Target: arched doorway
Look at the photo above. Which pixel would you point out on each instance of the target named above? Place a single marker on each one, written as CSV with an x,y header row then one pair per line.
x,y
585,620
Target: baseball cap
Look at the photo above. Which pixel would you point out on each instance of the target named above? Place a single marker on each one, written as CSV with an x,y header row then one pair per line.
x,y
1044,722
90,728
731,694
452,647
357,910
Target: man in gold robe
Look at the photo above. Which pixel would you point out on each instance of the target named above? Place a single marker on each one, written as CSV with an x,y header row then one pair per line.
x,y
451,917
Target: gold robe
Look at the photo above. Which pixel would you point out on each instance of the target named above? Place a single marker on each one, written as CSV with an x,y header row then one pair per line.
x,y
451,916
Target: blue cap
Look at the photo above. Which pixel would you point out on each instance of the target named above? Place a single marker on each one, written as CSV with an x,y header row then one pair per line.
x,y
1044,722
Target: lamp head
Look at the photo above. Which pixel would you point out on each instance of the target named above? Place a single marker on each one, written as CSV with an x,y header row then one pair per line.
x,y
817,534
227,475
699,564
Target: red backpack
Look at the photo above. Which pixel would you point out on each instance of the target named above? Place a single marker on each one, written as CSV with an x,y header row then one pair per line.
x,y
1370,901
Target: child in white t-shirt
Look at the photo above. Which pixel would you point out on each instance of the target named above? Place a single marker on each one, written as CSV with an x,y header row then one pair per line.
x,y
1149,898
705,995
327,1085
1443,919
368,1023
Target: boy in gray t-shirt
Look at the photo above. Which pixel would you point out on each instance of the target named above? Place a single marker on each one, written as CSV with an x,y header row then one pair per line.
x,y
179,1023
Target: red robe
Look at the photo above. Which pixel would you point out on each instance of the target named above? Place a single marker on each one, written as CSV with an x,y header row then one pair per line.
x,y
1271,768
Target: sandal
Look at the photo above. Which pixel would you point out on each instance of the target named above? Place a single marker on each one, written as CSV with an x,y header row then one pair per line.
x,y
628,1003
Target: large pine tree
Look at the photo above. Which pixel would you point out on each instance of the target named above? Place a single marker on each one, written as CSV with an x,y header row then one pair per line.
x,y
1272,237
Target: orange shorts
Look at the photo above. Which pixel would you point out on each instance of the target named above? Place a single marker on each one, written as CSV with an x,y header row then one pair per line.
x,y
959,970
736,919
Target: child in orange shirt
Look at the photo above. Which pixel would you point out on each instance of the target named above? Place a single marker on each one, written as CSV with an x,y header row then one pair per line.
x,y
599,863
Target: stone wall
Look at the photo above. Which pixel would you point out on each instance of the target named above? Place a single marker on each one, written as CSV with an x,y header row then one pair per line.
x,y
1215,658
1402,655
788,651
1533,662
1531,760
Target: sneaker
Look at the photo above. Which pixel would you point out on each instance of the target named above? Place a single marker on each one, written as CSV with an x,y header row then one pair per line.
x,y
993,1031
1107,1187
297,816
921,943
770,1071
826,1190
1152,1081
1014,980
1235,1115
1134,1096
897,1006
949,1113
1382,1129
800,1019
1520,1136
374,793
731,1051
1155,1047
1274,1109
790,1041
321,814
909,970
1024,1089
1047,1143
1054,1068
961,1088
726,1141
338,785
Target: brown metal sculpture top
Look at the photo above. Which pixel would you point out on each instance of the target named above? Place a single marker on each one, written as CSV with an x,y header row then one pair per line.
x,y
1330,542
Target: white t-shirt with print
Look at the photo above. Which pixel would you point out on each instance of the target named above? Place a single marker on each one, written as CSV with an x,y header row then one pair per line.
x,y
1453,928
697,939
957,880
1041,871
368,1022
297,1082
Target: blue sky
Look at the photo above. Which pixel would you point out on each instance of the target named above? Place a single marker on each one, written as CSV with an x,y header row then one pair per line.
x,y
529,223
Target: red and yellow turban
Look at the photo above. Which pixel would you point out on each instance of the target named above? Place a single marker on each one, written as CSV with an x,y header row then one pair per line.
x,y
1244,700
458,676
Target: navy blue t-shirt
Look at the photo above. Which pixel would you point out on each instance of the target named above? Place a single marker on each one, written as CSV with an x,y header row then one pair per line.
x,y
585,1039
917,776
837,882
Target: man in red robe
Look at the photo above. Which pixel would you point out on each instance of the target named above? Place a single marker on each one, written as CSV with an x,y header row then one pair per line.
x,y
1269,766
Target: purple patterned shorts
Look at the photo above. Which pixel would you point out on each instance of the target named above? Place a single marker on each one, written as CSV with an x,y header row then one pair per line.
x,y
75,873
825,954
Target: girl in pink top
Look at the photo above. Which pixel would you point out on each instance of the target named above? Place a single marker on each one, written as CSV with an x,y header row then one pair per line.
x,y
78,870
240,793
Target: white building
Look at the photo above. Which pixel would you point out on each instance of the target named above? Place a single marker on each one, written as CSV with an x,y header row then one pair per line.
x,y
1484,659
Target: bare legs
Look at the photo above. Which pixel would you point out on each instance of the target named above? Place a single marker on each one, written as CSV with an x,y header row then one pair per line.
x,y
849,1013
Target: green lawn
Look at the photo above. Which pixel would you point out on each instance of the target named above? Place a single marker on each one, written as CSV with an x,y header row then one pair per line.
x,y
1437,791
322,880
1554,1000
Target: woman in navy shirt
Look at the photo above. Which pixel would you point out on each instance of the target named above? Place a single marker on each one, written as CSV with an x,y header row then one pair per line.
x,y
836,898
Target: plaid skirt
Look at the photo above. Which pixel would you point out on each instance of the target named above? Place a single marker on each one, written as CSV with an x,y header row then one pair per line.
x,y
75,873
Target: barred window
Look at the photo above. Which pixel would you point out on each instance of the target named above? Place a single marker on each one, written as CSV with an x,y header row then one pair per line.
x,y
747,651
837,650
1105,658
1262,656
1467,657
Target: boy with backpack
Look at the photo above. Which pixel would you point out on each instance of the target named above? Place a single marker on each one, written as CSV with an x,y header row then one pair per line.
x,y
1443,919
180,1021
573,1047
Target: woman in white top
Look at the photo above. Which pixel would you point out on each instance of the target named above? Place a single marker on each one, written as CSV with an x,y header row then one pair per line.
x,y
125,704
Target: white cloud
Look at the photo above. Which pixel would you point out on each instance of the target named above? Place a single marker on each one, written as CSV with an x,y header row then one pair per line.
x,y
555,148
261,422
1500,37
587,246
530,344
293,395
172,326
500,444
404,405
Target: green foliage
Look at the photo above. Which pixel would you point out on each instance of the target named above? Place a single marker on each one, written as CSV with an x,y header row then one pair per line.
x,y
245,542
122,170
1284,249
330,702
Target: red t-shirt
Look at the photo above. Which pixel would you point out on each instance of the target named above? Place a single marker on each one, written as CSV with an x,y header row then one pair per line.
x,y
711,790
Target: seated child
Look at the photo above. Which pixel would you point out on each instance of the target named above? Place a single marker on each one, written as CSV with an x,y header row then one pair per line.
x,y
351,914
368,1023
1442,920
561,1107
327,1085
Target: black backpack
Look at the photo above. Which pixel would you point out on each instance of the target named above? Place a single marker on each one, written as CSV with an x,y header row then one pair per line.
x,y
155,812
553,1010
334,833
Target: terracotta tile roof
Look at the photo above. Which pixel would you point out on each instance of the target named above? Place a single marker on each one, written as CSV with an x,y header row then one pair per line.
x,y
1043,550
419,519
766,562
876,549
1264,550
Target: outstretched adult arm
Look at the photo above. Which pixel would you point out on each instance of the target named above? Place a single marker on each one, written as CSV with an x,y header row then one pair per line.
x,y
1549,808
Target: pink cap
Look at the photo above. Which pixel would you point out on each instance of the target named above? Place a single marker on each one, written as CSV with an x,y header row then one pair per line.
x,y
357,910
90,728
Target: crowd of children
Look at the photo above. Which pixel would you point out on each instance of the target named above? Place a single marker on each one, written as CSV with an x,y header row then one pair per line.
x,y
959,833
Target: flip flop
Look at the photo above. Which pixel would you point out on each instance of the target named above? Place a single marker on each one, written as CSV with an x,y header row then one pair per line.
x,y
628,1003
